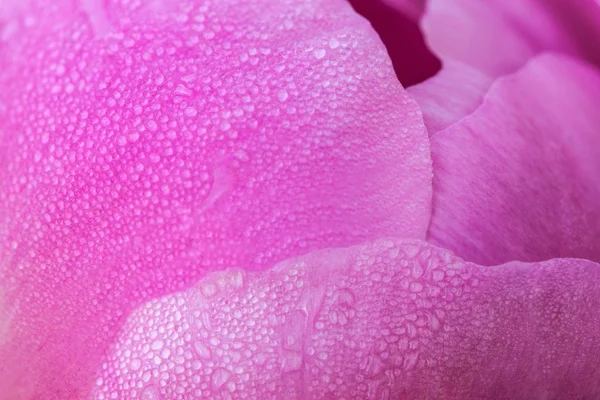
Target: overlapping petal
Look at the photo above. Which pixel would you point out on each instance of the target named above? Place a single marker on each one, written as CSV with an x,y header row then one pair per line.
x,y
479,41
498,37
144,144
396,22
457,90
391,319
518,179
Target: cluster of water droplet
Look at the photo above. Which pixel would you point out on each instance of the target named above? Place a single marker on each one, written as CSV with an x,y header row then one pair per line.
x,y
355,326
147,143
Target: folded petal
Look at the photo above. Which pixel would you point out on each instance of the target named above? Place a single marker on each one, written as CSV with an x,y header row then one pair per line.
x,y
144,144
479,41
518,178
392,319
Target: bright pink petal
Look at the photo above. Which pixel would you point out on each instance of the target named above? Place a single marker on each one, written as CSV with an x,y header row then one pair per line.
x,y
394,319
142,146
519,179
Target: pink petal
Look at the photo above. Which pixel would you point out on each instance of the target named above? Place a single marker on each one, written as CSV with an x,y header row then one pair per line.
x,y
142,146
497,37
457,90
393,319
518,178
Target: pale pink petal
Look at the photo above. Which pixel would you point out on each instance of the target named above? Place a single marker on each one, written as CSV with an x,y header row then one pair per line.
x,y
519,178
393,319
457,90
143,145
499,36
478,41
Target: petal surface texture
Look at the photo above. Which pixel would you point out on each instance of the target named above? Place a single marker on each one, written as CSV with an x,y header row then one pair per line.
x,y
518,179
479,41
143,144
393,319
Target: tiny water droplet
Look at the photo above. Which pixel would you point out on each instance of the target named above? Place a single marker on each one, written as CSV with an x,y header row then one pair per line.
x,y
202,350
219,377
319,53
150,393
190,112
157,344
136,364
183,90
282,95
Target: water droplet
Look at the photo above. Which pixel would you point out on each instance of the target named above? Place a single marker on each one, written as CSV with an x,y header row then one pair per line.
x,y
225,126
434,322
157,344
219,377
136,364
191,112
202,350
282,95
208,289
183,90
345,297
241,155
236,278
291,361
152,125
438,275
133,137
372,365
319,53
411,329
150,393
417,270
416,287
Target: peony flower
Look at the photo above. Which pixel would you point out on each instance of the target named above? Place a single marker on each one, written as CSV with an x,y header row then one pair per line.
x,y
260,199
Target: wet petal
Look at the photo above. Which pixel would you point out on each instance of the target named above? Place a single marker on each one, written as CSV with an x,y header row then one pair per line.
x,y
389,319
143,145
518,178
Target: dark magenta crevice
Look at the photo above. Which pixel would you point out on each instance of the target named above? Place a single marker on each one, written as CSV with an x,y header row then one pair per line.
x,y
412,59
